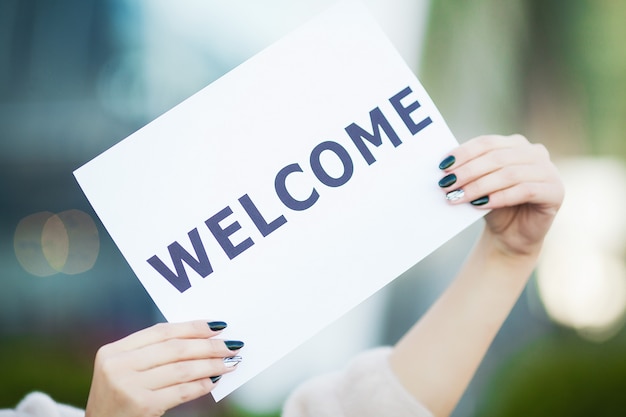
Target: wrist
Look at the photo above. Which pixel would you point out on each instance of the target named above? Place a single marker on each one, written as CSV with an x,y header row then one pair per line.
x,y
496,251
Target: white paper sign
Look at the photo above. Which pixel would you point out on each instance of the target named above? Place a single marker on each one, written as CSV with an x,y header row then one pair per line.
x,y
285,193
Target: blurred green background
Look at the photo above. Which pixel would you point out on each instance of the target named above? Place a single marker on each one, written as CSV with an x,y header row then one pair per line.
x,y
77,76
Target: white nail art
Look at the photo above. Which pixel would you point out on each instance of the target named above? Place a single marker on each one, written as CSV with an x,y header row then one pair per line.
x,y
455,195
232,361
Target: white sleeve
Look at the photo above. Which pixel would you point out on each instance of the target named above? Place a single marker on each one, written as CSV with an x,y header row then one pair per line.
x,y
366,388
37,404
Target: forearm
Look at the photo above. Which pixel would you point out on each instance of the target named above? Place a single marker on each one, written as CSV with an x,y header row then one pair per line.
x,y
438,357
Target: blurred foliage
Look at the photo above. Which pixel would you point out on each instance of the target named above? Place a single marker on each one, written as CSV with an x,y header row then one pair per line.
x,y
472,64
54,365
238,412
561,375
583,41
62,367
553,68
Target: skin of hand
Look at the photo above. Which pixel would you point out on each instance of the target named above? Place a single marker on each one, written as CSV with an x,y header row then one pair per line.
x,y
523,186
437,358
155,369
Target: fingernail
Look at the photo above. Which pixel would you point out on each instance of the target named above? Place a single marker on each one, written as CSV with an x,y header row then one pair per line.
x,y
447,181
480,201
233,344
447,162
214,379
455,195
217,325
232,361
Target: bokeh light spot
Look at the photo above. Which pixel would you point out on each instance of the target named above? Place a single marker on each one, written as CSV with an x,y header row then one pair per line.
x,y
581,277
28,247
588,295
55,242
47,243
83,241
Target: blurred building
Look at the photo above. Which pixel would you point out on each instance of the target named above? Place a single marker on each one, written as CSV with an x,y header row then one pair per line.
x,y
77,76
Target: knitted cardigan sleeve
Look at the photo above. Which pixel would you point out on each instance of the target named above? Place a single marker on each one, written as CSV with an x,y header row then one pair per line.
x,y
37,404
366,388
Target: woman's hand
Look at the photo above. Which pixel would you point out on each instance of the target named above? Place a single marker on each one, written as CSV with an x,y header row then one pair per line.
x,y
514,178
436,360
158,368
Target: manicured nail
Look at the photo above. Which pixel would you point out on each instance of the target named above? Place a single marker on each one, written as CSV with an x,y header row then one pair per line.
x,y
455,195
233,344
447,162
481,201
217,325
447,181
214,379
232,361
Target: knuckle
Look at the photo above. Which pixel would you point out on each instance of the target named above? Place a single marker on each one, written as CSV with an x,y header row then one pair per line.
x,y
178,347
107,367
182,371
188,392
511,175
518,138
204,386
541,150
135,401
102,353
499,158
163,330
486,142
528,192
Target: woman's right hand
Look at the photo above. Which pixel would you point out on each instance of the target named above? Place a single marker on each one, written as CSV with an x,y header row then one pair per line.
x,y
155,369
517,180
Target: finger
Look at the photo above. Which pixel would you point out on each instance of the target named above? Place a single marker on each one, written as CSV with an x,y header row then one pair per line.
x,y
539,193
175,395
486,164
175,350
500,179
184,371
479,146
163,331
546,193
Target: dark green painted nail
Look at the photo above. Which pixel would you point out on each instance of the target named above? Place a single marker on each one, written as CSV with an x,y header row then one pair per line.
x,y
214,379
480,201
447,181
233,344
447,162
217,325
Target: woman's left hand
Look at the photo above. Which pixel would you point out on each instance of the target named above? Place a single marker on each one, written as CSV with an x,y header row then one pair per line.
x,y
158,368
514,178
